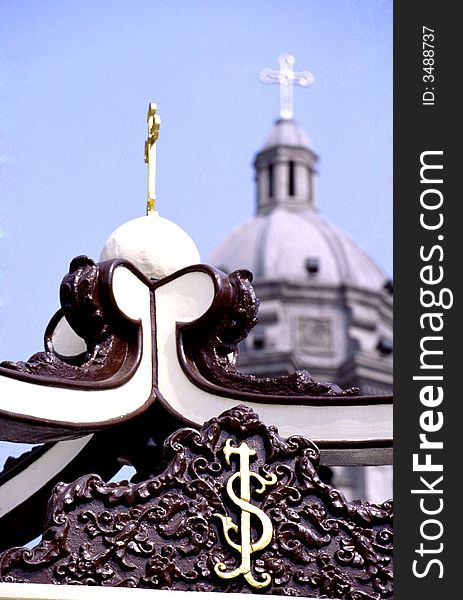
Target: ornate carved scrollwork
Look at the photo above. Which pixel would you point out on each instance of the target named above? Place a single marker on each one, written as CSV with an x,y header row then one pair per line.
x,y
213,349
210,348
163,533
92,318
115,347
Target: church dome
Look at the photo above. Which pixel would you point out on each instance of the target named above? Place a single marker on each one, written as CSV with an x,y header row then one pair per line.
x,y
300,247
288,239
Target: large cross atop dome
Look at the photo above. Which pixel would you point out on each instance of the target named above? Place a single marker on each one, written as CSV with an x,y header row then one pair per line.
x,y
288,233
287,79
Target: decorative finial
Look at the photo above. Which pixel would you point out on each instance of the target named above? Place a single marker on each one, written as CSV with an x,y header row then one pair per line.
x,y
287,78
154,122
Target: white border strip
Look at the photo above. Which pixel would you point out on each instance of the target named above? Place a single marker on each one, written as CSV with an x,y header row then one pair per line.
x,y
29,481
35,591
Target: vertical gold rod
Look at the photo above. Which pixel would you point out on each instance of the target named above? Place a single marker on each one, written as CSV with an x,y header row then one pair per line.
x,y
154,122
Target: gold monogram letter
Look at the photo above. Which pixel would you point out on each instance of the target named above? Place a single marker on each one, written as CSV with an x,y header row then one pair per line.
x,y
247,546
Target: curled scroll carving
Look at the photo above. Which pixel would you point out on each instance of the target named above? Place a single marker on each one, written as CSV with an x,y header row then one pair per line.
x,y
91,318
210,347
213,349
163,533
114,351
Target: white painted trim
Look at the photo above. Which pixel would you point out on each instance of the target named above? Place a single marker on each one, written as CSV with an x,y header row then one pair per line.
x,y
58,404
183,300
34,591
65,340
29,481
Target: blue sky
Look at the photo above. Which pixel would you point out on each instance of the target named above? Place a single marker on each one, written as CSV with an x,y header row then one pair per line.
x,y
76,77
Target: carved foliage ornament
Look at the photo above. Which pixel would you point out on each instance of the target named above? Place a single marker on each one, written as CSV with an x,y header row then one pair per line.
x,y
236,509
210,347
109,339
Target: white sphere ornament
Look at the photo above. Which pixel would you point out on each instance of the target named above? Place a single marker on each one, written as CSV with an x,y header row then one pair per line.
x,y
156,246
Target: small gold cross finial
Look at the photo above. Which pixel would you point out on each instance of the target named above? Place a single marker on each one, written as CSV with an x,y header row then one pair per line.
x,y
154,122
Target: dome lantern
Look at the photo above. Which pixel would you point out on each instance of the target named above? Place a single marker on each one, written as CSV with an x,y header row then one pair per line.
x,y
286,170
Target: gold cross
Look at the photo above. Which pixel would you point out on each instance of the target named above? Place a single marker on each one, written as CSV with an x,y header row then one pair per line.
x,y
154,122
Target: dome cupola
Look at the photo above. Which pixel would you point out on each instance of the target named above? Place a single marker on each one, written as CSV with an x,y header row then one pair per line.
x,y
286,170
288,239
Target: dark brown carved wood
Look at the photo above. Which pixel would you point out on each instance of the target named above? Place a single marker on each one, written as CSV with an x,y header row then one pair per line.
x,y
112,342
210,348
207,351
136,443
114,350
164,533
113,353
